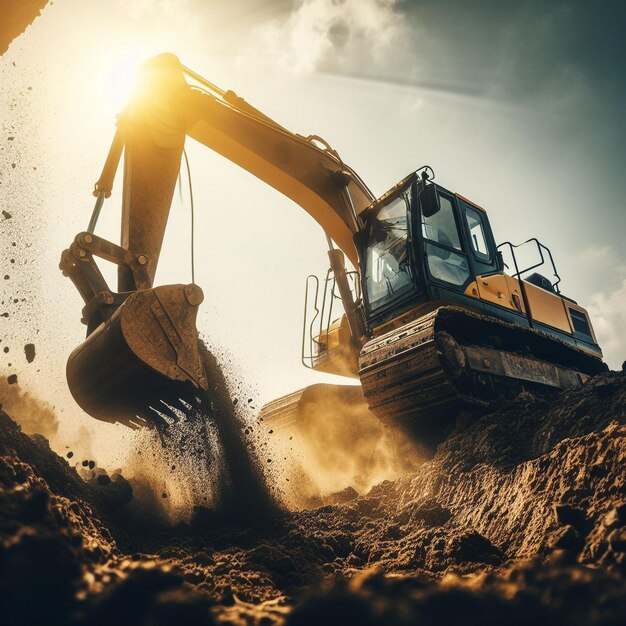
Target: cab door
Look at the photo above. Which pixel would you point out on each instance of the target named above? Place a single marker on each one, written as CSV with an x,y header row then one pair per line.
x,y
493,286
443,245
482,246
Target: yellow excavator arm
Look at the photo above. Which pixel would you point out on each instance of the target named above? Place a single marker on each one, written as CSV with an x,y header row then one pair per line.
x,y
165,109
141,336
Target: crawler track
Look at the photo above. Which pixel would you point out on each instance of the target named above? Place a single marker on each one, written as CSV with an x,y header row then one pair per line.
x,y
422,374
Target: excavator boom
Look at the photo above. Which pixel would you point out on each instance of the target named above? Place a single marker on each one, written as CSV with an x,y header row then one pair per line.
x,y
166,109
140,357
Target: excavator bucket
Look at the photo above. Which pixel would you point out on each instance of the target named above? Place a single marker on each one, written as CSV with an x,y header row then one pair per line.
x,y
143,361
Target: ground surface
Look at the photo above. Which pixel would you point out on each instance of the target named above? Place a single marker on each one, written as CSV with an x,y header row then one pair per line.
x,y
520,517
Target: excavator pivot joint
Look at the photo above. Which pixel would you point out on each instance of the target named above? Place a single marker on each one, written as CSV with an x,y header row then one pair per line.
x,y
194,294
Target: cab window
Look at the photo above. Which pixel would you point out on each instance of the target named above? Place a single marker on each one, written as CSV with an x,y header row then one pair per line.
x,y
447,266
442,240
441,227
387,274
478,237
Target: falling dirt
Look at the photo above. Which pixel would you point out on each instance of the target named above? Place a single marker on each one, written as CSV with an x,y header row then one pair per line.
x,y
519,517
246,492
207,458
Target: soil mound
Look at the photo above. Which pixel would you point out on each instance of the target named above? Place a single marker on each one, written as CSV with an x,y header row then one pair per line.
x,y
519,517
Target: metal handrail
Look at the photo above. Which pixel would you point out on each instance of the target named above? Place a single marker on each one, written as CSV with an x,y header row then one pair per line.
x,y
518,272
519,279
540,248
323,315
307,361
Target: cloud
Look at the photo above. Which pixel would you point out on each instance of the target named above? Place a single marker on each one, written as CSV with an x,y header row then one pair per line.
x,y
607,304
337,34
603,256
607,310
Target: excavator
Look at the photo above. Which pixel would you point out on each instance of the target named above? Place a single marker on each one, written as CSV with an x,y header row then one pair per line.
x,y
434,320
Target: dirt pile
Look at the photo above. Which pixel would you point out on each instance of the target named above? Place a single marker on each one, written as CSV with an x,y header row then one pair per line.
x,y
519,517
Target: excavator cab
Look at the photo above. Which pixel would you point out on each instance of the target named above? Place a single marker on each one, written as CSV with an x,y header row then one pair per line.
x,y
447,326
423,246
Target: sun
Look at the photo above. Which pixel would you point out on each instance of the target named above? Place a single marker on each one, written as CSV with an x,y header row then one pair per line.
x,y
119,75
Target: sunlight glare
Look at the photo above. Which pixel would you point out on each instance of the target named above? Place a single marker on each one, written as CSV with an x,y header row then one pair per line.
x,y
119,77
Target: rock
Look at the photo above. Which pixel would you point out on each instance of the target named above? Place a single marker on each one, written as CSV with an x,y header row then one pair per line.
x,y
570,515
566,538
611,519
430,512
475,548
29,352
40,441
560,557
617,540
339,497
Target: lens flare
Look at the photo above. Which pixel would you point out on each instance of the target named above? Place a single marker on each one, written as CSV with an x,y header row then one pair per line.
x,y
119,77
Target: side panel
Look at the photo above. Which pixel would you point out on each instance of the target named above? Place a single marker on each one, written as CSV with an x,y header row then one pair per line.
x,y
495,289
498,289
547,308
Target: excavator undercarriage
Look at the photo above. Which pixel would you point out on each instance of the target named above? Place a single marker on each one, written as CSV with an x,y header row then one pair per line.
x,y
420,376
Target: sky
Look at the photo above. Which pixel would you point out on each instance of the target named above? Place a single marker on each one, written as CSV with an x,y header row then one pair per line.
x,y
516,105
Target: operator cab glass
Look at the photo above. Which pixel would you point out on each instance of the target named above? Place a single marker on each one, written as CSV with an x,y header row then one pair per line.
x,y
478,236
387,273
442,244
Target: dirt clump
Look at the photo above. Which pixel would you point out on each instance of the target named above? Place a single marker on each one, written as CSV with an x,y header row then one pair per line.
x,y
519,517
17,16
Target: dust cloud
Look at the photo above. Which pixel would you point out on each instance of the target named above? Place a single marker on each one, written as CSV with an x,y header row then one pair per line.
x,y
225,459
37,417
208,460
337,448
32,414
